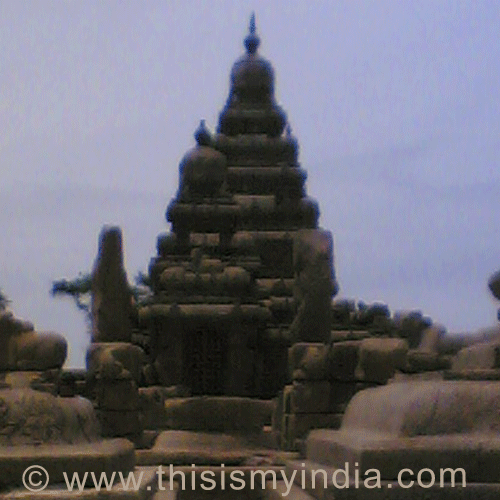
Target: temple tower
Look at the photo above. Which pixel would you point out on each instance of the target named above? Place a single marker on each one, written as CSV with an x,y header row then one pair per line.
x,y
225,279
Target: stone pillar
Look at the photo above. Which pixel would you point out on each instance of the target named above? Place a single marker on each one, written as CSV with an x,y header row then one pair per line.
x,y
315,285
111,298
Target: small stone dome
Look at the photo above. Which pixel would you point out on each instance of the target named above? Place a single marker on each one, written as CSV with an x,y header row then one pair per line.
x,y
202,171
252,79
251,108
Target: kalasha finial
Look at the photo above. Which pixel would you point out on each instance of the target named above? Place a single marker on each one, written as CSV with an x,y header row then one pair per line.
x,y
202,135
252,23
252,41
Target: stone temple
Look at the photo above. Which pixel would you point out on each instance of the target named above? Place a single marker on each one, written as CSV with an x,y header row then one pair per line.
x,y
239,361
243,230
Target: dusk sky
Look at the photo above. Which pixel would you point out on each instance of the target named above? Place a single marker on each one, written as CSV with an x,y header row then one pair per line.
x,y
395,104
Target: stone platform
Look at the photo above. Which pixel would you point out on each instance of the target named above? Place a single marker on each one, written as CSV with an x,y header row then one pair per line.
x,y
221,414
445,427
203,448
145,478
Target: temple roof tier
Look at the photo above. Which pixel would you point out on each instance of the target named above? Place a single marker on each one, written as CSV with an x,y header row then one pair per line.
x,y
259,149
267,180
200,312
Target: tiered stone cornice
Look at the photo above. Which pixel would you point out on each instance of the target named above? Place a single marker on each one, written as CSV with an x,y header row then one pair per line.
x,y
224,278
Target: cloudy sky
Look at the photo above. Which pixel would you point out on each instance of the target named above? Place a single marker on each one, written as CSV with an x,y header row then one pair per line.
x,y
396,106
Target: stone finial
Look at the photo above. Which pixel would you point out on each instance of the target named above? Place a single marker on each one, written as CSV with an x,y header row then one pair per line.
x,y
252,41
111,297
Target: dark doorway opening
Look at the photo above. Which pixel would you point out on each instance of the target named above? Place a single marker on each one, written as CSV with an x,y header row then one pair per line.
x,y
205,362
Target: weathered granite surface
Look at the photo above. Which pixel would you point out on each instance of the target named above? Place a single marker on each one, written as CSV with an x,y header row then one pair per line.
x,y
29,417
59,434
111,307
25,349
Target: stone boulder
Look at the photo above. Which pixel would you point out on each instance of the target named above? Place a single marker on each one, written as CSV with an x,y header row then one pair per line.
x,y
42,351
25,349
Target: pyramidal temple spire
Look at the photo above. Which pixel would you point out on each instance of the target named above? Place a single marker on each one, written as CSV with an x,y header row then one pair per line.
x,y
252,41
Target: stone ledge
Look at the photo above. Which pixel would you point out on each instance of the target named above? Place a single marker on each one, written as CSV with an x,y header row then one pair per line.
x,y
100,456
201,448
215,414
147,490
389,490
478,455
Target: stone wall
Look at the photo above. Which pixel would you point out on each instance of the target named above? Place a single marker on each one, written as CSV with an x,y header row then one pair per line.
x,y
325,376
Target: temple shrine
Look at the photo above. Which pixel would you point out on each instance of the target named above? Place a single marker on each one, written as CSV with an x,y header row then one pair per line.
x,y
226,279
239,358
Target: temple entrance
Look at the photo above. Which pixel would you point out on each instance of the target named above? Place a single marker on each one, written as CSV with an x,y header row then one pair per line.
x,y
205,361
